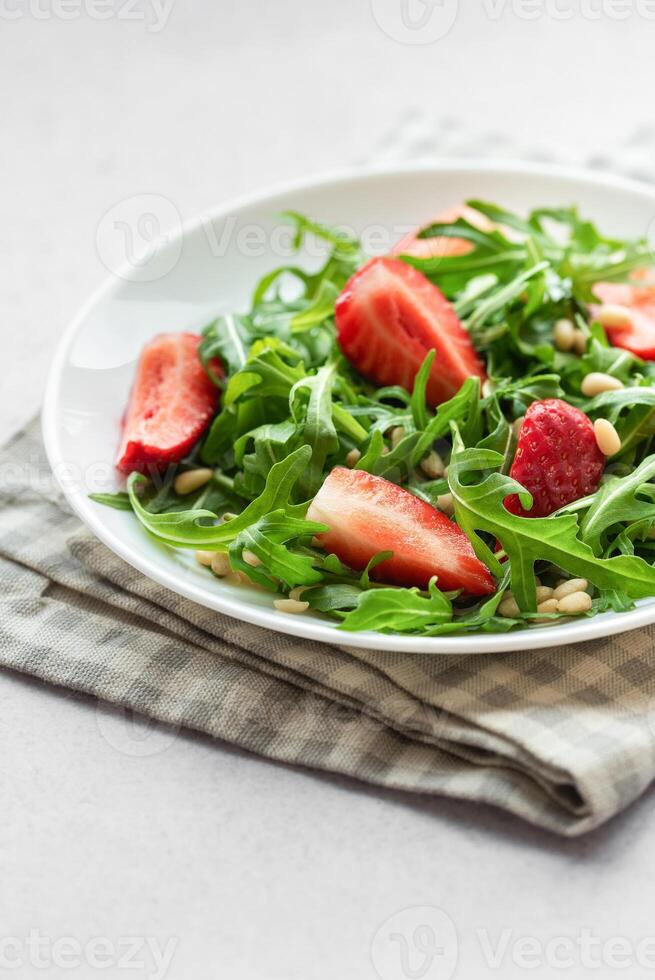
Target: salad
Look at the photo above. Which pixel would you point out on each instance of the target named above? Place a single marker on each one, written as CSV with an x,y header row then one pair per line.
x,y
455,437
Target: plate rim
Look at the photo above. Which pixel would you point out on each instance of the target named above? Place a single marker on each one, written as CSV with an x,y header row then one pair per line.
x,y
602,625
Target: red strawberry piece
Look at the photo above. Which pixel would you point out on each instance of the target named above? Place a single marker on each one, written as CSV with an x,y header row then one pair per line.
x,y
389,316
172,402
442,245
367,514
638,335
557,458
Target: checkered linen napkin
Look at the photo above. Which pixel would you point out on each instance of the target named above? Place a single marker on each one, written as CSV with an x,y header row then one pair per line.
x,y
563,738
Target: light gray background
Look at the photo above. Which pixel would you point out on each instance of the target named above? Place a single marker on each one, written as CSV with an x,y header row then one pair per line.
x,y
110,827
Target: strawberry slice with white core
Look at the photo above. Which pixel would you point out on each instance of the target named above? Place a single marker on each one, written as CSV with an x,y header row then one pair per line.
x,y
389,316
367,514
637,333
172,402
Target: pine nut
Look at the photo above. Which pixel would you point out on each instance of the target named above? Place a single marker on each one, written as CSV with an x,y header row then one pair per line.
x,y
509,608
575,603
291,605
250,558
192,480
611,315
580,342
516,425
205,558
607,438
548,606
488,388
432,465
569,587
446,504
564,335
220,565
353,458
297,592
396,435
596,383
239,578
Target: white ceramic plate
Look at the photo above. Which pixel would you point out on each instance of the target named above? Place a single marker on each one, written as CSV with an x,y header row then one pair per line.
x,y
210,266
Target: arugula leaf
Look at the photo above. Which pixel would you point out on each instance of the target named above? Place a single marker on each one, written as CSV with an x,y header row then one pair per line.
x,y
616,502
401,610
118,501
334,597
611,403
344,594
227,338
270,443
503,297
418,401
341,240
197,528
638,424
317,427
268,538
319,309
462,406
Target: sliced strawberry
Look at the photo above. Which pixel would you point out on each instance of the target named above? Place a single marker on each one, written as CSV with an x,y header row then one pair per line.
x,y
367,514
557,458
389,316
637,336
442,245
172,402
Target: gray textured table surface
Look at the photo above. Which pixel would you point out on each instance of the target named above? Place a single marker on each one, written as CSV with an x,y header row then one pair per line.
x,y
111,828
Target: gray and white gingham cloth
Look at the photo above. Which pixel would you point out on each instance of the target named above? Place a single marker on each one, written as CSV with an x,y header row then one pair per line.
x,y
564,738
